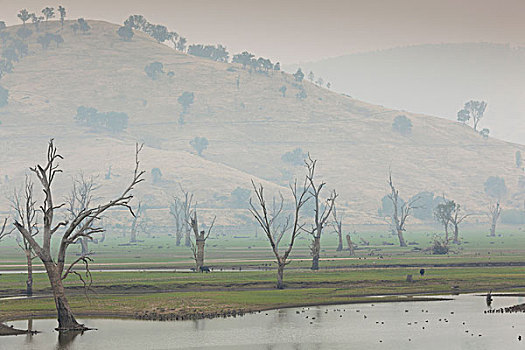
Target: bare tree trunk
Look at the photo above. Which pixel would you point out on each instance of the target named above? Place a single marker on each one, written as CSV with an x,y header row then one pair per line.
x,y
280,275
84,245
315,250
178,238
446,233
350,245
340,245
200,253
133,234
187,238
402,242
66,319
456,234
29,282
493,227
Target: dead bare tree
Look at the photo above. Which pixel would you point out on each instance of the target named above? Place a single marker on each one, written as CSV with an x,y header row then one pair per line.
x,y
400,214
279,227
494,214
322,211
177,211
265,219
139,213
78,200
197,247
187,203
338,228
456,219
23,205
82,225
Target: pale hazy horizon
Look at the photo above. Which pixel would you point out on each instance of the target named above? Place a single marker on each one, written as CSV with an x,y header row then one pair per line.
x,y
301,31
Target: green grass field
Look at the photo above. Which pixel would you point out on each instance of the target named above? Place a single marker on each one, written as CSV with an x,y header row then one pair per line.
x,y
479,264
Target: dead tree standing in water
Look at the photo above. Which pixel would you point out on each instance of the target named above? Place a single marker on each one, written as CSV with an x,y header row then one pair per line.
x,y
23,204
266,220
197,247
494,213
321,211
82,225
399,214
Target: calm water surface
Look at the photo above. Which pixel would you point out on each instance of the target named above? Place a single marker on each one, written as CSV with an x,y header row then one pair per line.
x,y
456,324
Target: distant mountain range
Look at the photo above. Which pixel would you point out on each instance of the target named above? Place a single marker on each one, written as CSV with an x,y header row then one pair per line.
x,y
436,80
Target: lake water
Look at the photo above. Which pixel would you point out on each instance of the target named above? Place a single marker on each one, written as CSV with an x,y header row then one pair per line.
x,y
455,324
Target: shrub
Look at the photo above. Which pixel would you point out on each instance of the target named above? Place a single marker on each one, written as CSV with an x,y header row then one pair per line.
x,y
402,125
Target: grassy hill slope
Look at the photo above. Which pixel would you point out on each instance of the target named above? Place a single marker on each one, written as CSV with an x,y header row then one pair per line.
x,y
248,128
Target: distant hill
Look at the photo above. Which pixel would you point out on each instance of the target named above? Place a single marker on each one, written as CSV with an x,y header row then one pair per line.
x,y
437,80
245,118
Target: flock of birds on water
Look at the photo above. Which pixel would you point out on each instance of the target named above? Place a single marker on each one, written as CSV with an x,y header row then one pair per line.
x,y
422,324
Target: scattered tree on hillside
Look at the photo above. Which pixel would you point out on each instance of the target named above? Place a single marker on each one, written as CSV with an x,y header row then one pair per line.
x,y
295,157
23,206
24,33
2,25
47,38
125,33
197,246
6,66
322,210
244,58
473,110
112,121
400,212
311,76
496,189
519,157
24,16
216,53
265,219
277,66
4,96
282,90
154,70
328,85
320,81
402,125
36,21
299,75
80,26
48,13
156,176
199,144
240,197
485,133
181,44
185,100
301,95
81,226
62,12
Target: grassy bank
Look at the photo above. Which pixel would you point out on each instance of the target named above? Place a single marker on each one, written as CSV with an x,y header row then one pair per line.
x,y
174,295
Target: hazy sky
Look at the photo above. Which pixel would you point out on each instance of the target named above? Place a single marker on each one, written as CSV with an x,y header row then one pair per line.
x,y
294,31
